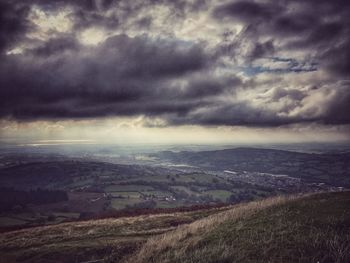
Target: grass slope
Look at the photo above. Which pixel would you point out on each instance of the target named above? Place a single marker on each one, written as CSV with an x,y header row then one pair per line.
x,y
103,240
312,228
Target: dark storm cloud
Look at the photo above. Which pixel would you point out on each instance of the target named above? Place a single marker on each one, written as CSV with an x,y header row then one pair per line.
x,y
160,69
339,108
88,12
208,86
124,76
262,49
294,94
337,59
323,26
84,19
243,113
13,23
238,114
247,11
56,46
293,24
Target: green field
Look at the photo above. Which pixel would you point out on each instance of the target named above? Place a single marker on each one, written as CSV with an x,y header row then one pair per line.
x,y
203,178
122,203
172,204
128,188
185,189
125,194
68,215
10,221
80,183
184,178
157,192
156,178
220,194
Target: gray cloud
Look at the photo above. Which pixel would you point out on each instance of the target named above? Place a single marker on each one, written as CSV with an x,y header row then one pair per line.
x,y
186,62
318,25
124,76
247,11
13,23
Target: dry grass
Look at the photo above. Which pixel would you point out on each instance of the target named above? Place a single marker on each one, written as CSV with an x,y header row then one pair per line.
x,y
306,228
109,238
197,229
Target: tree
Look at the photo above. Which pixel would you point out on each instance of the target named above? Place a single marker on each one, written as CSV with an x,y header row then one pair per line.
x,y
215,180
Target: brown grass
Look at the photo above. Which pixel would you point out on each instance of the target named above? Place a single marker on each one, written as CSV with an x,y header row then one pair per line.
x,y
300,228
197,229
95,239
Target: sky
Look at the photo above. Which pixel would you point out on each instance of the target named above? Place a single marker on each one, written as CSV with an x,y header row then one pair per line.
x,y
175,71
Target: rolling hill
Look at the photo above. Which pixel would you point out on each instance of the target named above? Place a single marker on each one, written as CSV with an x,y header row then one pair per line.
x,y
303,228
329,168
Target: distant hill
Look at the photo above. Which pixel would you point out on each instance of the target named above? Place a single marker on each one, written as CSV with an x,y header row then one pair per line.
x,y
308,228
333,169
60,174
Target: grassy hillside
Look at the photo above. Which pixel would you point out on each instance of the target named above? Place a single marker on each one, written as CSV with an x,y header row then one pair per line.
x,y
109,239
313,228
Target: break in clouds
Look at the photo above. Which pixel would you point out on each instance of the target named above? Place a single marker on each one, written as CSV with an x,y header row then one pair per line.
x,y
250,63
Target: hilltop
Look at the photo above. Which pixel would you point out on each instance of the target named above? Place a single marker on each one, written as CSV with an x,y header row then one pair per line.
x,y
303,228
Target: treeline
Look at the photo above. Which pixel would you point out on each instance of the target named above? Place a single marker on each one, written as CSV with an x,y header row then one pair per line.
x,y
149,204
16,199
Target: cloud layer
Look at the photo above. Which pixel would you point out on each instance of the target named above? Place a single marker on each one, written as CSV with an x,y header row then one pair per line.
x,y
248,63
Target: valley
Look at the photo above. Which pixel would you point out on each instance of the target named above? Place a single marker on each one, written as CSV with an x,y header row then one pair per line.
x,y
95,186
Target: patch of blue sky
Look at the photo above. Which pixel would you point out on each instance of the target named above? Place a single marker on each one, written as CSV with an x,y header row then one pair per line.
x,y
289,66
